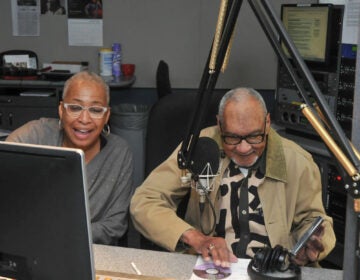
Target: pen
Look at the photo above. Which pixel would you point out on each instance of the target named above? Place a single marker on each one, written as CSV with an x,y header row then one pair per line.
x,y
138,272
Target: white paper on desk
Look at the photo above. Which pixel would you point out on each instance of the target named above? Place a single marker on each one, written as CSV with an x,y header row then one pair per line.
x,y
18,60
238,270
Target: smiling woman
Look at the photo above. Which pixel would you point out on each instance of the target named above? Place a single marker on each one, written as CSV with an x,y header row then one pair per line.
x,y
82,130
83,117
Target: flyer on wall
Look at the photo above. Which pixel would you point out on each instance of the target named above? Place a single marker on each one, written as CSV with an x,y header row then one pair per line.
x,y
25,17
85,22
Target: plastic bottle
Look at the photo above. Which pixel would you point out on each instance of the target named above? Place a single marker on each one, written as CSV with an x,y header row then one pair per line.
x,y
105,61
116,61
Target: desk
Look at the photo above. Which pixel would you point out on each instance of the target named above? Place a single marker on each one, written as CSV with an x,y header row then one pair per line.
x,y
172,265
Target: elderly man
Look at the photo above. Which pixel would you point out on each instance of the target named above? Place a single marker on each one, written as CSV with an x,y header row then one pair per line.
x,y
267,192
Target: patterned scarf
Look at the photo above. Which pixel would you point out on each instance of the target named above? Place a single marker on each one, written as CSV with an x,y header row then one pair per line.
x,y
241,220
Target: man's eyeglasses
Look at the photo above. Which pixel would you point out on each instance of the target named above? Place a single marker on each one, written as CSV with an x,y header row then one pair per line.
x,y
74,110
234,139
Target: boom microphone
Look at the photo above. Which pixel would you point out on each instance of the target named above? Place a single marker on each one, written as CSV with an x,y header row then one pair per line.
x,y
204,165
206,152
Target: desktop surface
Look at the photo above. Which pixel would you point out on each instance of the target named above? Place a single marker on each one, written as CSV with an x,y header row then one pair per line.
x,y
171,265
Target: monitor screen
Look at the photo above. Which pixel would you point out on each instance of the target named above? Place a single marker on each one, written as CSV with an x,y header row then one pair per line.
x,y
45,229
308,27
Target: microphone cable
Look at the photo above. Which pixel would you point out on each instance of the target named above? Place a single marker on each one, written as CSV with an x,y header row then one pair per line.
x,y
202,206
205,162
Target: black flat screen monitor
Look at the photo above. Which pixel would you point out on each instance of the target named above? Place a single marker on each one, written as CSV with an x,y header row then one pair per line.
x,y
44,221
309,27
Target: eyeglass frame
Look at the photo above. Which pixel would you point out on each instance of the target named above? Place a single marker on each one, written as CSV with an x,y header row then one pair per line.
x,y
76,115
241,138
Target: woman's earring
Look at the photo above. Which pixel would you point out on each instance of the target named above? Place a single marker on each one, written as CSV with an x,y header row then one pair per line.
x,y
60,124
106,130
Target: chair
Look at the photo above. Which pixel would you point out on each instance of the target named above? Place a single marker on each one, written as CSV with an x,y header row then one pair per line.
x,y
163,85
168,123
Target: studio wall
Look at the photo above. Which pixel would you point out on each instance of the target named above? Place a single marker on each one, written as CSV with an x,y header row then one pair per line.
x,y
177,31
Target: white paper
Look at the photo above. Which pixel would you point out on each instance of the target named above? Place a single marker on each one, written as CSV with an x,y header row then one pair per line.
x,y
17,60
25,17
351,19
85,32
335,2
351,22
238,270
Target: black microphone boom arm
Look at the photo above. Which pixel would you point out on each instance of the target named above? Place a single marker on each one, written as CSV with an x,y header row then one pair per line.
x,y
207,85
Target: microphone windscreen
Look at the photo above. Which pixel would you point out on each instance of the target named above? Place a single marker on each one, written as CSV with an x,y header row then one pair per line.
x,y
206,151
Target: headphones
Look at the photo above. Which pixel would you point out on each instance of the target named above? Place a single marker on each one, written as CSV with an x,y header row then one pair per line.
x,y
269,263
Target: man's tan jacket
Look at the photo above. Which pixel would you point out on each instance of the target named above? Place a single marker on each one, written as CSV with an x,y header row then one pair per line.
x,y
291,197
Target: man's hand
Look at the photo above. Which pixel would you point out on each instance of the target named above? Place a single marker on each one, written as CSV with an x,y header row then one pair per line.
x,y
310,252
209,247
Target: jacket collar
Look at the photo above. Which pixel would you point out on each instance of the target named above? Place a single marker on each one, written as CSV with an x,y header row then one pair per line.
x,y
275,157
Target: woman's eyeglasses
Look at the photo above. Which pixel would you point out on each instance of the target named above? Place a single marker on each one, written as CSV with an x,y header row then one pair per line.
x,y
74,110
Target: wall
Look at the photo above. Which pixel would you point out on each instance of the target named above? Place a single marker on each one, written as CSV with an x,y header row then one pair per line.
x,y
177,31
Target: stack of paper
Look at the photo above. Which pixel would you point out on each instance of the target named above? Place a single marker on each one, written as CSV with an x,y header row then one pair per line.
x,y
69,66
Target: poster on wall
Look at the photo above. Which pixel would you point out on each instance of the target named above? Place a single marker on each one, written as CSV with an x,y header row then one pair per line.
x,y
90,9
85,22
53,7
351,22
25,17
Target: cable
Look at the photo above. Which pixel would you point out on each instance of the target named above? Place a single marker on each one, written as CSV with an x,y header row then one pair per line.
x,y
201,205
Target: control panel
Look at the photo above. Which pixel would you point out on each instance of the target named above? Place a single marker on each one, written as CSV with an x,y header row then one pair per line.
x,y
331,76
336,82
337,88
334,197
345,98
288,99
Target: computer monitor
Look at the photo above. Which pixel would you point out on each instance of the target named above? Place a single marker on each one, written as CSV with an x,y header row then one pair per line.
x,y
310,27
44,217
